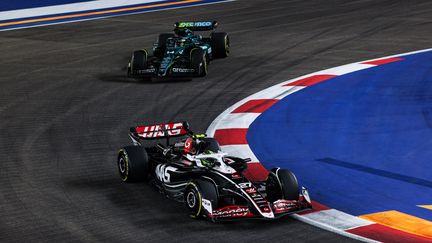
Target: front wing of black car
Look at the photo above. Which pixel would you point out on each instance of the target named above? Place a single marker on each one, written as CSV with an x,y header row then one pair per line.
x,y
274,210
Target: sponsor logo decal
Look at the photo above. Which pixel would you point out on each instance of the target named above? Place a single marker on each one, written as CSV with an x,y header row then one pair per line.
x,y
183,70
154,131
231,211
144,71
257,198
207,205
245,185
251,190
163,172
283,205
194,24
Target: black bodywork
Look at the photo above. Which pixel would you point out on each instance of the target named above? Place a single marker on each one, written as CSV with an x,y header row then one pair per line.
x,y
210,182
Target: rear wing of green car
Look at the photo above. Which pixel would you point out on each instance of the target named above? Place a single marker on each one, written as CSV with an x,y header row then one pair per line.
x,y
196,25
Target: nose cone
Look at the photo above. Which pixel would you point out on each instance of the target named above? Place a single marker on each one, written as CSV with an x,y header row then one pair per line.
x,y
164,66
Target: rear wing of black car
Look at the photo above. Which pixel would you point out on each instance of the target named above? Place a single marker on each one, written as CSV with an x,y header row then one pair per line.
x,y
158,131
196,25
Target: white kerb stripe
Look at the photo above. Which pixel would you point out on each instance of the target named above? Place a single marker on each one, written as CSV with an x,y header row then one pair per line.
x,y
338,219
328,227
344,69
275,92
237,120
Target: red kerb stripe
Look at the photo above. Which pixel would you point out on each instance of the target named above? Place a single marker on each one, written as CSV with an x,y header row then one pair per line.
x,y
311,80
383,61
386,234
256,172
316,206
231,136
255,106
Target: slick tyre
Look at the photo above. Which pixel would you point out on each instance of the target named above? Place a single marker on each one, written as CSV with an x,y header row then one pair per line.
x,y
138,61
282,184
197,191
289,183
199,61
162,40
220,44
133,164
273,187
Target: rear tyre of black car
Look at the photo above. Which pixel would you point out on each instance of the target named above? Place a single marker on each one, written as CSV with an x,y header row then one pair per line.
x,y
199,61
282,184
133,164
194,194
220,44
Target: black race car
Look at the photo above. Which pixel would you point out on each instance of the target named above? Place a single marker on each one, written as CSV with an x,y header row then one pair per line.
x,y
210,182
182,53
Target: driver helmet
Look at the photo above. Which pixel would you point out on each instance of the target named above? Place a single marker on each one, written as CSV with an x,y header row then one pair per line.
x,y
180,43
170,43
183,32
192,146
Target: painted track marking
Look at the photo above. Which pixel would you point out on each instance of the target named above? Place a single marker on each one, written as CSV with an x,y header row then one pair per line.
x,y
347,225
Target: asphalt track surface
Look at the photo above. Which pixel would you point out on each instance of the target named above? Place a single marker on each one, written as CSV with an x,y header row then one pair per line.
x,y
66,106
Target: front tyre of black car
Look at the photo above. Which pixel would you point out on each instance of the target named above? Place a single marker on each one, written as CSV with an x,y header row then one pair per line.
x,y
290,187
193,200
273,187
133,164
194,194
282,184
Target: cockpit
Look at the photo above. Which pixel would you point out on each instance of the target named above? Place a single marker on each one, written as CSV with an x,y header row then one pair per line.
x,y
177,42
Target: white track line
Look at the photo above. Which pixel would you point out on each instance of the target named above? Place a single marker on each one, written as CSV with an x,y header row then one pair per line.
x,y
69,8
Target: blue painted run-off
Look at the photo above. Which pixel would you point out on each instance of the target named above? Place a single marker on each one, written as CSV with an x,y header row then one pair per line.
x,y
6,5
361,142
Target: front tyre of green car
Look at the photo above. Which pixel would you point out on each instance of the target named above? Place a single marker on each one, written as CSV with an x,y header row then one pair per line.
x,y
199,61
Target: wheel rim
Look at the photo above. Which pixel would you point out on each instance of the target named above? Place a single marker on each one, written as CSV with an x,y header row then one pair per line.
x,y
205,64
227,45
122,165
191,199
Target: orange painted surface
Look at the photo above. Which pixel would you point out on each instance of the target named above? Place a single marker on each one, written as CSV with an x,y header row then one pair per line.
x,y
402,221
97,13
383,233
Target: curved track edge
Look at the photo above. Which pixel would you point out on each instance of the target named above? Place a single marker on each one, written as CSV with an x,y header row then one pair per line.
x,y
230,128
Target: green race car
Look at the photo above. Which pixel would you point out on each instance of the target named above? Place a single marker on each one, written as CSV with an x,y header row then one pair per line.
x,y
182,53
